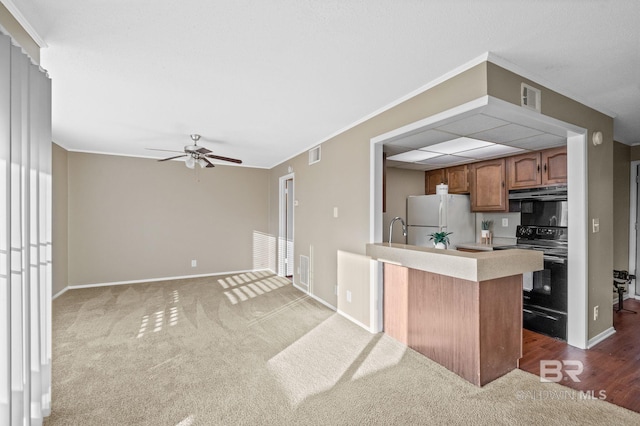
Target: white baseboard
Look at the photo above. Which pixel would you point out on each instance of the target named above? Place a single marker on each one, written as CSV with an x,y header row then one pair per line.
x,y
600,337
149,280
356,322
313,296
60,293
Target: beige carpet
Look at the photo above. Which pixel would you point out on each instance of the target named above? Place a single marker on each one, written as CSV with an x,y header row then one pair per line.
x,y
251,349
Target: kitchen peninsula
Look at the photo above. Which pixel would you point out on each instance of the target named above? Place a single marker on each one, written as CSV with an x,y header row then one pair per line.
x,y
460,309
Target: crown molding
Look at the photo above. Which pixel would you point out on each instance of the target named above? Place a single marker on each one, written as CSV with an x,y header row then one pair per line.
x,y
17,14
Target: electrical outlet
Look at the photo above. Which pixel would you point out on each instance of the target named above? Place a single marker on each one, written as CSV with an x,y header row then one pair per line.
x,y
348,296
194,263
595,313
505,222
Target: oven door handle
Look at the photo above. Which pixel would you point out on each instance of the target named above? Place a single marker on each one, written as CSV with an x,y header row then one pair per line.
x,y
539,314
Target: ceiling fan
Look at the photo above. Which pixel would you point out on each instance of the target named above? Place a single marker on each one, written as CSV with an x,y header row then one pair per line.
x,y
197,154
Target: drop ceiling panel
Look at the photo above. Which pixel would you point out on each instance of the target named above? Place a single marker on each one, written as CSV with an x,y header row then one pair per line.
x,y
418,140
444,160
393,150
413,156
508,133
473,124
490,152
542,141
456,145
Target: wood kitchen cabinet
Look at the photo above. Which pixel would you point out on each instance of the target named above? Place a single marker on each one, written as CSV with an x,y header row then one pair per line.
x,y
554,166
524,170
548,167
433,178
456,177
487,184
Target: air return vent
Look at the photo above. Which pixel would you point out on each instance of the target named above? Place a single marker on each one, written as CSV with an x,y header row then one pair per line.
x,y
314,155
530,97
304,270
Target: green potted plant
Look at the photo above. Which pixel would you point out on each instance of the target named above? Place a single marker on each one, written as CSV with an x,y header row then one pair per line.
x,y
485,225
440,239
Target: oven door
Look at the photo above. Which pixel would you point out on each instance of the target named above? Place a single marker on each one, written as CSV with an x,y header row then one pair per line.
x,y
545,321
549,289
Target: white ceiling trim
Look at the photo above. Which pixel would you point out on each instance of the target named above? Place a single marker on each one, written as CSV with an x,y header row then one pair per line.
x,y
147,157
17,14
447,76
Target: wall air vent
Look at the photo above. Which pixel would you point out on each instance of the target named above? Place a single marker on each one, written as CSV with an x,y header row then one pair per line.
x,y
304,270
530,97
314,155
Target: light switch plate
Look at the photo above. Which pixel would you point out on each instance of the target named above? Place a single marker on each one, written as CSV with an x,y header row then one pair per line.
x,y
335,212
596,225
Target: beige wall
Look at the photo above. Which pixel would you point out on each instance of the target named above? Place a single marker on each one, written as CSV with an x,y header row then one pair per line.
x,y
137,219
60,213
505,85
621,179
19,34
341,180
400,184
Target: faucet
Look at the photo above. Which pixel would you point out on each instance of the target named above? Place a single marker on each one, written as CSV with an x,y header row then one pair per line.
x,y
404,227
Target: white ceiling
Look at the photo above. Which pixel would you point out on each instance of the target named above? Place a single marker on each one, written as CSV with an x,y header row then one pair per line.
x,y
263,80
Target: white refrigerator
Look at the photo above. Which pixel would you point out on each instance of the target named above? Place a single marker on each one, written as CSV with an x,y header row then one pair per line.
x,y
434,213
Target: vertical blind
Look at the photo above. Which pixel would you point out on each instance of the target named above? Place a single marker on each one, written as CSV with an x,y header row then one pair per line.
x,y
25,238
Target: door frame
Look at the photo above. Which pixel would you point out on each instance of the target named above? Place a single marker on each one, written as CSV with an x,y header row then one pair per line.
x,y
282,224
633,241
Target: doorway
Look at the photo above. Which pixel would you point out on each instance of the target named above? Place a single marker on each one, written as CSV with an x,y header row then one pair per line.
x,y
577,327
286,227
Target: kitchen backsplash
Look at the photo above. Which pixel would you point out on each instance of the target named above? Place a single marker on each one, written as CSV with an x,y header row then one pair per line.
x,y
501,234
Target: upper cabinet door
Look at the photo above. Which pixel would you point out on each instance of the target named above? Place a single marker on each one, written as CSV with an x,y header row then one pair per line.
x,y
433,178
487,184
524,170
554,166
458,179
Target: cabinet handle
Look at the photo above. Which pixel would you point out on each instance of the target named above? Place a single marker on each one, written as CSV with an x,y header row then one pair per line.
x,y
545,168
538,168
503,184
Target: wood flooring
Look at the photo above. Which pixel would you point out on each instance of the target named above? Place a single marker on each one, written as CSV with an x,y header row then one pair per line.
x,y
612,366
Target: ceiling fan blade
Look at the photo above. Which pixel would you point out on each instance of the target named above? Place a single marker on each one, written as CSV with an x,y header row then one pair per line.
x,y
171,158
203,150
217,157
209,163
165,150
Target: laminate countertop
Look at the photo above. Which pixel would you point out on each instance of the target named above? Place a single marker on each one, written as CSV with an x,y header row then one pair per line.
x,y
480,266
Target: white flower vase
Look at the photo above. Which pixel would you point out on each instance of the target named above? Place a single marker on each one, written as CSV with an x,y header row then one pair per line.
x,y
439,245
485,233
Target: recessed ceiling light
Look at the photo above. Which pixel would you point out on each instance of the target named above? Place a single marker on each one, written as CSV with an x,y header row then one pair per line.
x,y
456,145
413,156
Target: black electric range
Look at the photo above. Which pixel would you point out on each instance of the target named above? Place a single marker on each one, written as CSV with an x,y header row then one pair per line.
x,y
545,294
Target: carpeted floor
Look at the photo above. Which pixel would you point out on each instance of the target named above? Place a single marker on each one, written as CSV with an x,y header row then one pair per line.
x,y
250,349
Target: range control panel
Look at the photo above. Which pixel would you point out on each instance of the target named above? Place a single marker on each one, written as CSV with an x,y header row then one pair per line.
x,y
541,233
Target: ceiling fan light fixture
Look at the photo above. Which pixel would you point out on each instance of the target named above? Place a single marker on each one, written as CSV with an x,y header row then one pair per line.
x,y
202,163
190,162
